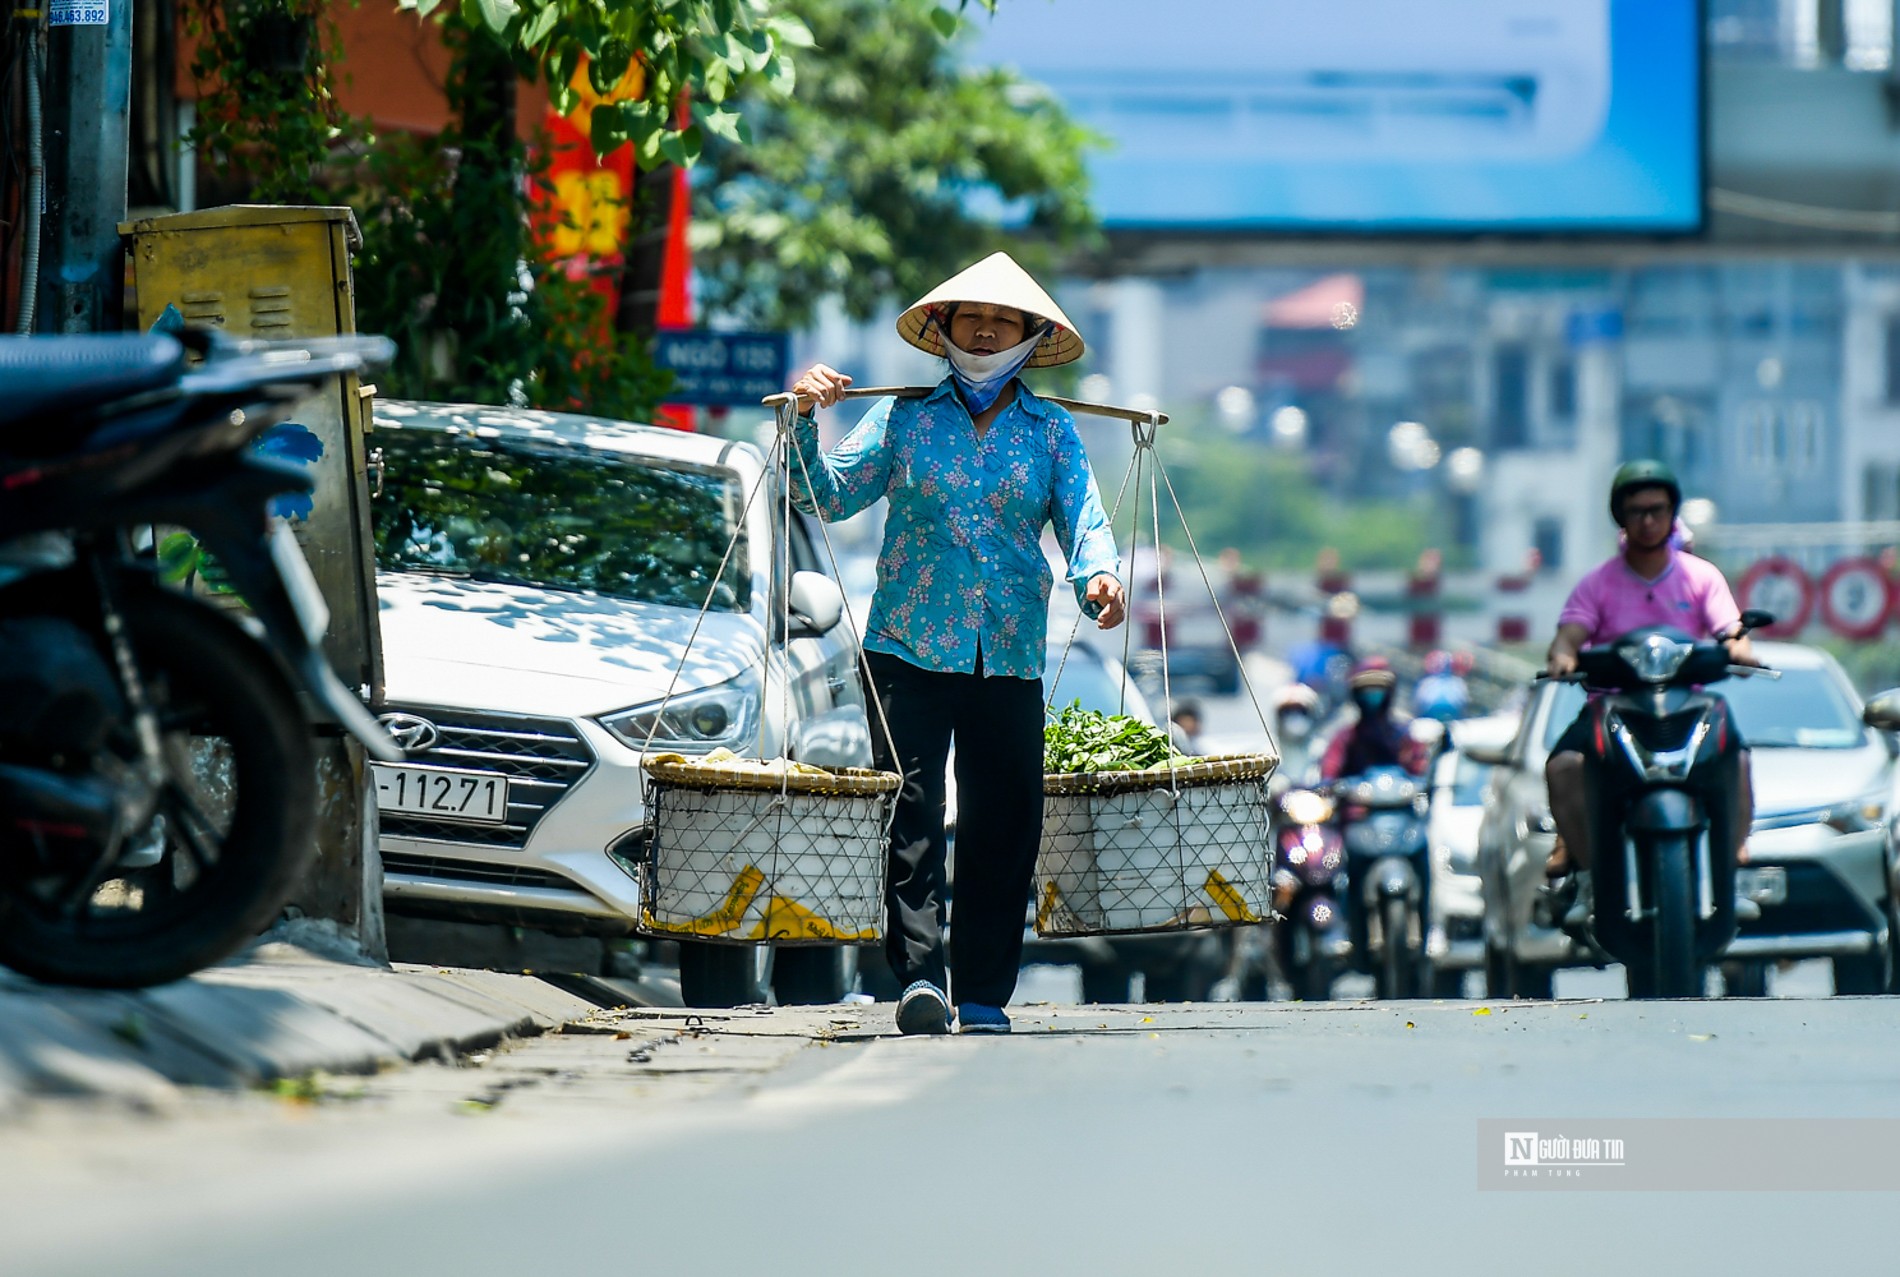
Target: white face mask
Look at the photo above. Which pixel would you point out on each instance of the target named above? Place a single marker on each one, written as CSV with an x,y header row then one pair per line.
x,y
984,377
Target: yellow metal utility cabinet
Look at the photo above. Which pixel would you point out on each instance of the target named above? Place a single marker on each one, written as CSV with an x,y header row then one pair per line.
x,y
262,271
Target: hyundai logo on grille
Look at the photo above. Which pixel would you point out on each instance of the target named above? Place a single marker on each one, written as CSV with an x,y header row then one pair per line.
x,y
413,732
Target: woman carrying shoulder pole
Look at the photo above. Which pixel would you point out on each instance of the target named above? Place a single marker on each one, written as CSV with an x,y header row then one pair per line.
x,y
956,636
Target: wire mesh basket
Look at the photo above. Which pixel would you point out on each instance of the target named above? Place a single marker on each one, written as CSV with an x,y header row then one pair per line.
x,y
751,853
1163,849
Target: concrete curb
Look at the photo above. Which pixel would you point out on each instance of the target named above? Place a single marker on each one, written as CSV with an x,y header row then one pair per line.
x,y
278,1011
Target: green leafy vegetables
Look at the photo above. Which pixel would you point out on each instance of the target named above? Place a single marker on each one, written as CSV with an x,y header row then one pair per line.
x,y
1087,740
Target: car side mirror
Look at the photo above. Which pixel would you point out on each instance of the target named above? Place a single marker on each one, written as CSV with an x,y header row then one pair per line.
x,y
1490,755
817,603
1882,712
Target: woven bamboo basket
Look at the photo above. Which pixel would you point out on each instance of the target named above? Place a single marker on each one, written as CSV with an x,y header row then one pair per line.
x,y
1163,849
745,852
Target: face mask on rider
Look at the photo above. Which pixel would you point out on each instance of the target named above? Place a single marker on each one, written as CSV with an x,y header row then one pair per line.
x,y
1370,700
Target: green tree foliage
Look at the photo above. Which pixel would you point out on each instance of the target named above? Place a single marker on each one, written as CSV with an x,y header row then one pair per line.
x,y
265,105
709,50
1271,507
451,269
860,185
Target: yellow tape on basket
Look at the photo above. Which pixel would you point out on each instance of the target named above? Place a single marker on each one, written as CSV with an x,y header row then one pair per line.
x,y
788,920
782,918
1231,902
726,918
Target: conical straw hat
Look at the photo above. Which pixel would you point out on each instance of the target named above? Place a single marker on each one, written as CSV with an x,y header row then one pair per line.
x,y
999,281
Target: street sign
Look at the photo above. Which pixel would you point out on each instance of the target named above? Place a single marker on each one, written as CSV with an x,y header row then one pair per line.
x,y
730,369
1778,585
1857,597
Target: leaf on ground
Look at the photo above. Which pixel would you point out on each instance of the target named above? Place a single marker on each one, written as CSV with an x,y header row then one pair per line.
x,y
1481,1010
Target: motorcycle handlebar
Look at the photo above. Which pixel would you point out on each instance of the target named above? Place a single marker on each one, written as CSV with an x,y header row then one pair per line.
x,y
233,364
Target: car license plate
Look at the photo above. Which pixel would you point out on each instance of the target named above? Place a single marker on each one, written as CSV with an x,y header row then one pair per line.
x,y
478,797
1767,885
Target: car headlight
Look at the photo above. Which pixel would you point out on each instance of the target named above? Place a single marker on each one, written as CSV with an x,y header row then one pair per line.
x,y
1656,658
1304,807
1859,816
697,722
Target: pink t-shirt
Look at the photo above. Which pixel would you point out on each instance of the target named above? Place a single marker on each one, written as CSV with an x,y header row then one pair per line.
x,y
1690,595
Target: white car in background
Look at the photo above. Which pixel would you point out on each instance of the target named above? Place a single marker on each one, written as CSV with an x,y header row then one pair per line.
x,y
1459,784
540,576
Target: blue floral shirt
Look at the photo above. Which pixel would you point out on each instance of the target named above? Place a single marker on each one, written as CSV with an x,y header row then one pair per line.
x,y
962,567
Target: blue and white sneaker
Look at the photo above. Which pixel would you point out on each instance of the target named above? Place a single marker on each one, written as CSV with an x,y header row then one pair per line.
x,y
923,1008
974,1017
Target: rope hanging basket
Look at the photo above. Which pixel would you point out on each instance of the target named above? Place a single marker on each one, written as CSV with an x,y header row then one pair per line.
x,y
744,851
1180,845
1163,849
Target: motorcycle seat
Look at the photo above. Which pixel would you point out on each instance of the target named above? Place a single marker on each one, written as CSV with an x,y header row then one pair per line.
x,y
41,376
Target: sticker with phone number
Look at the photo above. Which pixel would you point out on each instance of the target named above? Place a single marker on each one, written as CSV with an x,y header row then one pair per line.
x,y
78,13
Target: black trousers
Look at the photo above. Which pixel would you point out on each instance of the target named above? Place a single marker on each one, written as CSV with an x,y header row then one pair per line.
x,y
997,726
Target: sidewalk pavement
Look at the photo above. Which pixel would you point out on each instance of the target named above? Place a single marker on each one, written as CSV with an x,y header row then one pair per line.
x,y
277,1011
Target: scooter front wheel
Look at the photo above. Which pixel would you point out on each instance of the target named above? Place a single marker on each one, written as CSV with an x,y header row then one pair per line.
x,y
1396,963
232,831
1677,973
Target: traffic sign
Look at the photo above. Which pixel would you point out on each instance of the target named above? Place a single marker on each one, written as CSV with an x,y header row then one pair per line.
x,y
1857,597
1778,585
718,368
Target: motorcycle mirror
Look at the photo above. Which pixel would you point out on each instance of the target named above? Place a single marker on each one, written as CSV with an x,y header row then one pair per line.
x,y
1488,755
1756,619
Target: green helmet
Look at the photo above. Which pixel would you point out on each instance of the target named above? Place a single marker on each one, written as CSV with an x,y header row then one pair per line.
x,y
1642,474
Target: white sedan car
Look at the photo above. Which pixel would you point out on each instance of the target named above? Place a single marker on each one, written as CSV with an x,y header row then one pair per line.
x,y
1459,784
541,575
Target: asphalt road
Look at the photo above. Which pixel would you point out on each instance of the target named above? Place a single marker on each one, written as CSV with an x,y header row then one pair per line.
x,y
1217,1138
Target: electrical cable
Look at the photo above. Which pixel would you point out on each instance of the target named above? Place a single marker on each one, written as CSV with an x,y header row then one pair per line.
x,y
35,197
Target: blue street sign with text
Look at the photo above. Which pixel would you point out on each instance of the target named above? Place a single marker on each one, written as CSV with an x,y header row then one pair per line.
x,y
723,369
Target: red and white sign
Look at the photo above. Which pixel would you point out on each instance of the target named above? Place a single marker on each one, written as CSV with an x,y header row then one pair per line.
x,y
1857,598
1780,586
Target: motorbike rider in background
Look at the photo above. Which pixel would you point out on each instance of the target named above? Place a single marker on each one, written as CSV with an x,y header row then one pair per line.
x,y
1296,713
1651,582
1379,736
1443,693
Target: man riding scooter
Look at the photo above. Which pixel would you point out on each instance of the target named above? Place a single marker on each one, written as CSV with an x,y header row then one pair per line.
x,y
1650,583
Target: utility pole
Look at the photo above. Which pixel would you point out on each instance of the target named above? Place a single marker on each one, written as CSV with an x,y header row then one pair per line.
x,y
88,93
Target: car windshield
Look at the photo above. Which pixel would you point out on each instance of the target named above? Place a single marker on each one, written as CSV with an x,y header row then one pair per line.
x,y
1467,782
1087,680
562,518
1566,702
1804,708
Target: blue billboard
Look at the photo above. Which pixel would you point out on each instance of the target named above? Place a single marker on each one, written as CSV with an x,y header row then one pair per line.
x,y
1384,116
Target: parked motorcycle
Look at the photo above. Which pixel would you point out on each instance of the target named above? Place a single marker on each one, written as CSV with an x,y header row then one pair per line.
x,y
1309,881
157,783
1664,777
1383,815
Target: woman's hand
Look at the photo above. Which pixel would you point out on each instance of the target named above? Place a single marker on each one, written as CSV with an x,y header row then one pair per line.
x,y
821,387
1107,591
